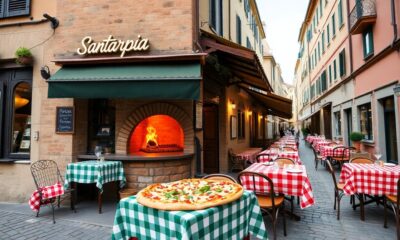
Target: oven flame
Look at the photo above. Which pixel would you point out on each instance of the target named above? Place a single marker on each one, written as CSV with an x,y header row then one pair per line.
x,y
151,137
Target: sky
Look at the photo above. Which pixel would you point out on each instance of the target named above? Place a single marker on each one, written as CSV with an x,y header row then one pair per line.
x,y
283,19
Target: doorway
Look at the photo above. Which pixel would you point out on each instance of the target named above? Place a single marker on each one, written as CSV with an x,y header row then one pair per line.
x,y
327,111
349,125
390,129
211,139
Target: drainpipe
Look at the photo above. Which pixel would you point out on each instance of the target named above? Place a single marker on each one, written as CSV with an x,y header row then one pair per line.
x,y
350,37
393,11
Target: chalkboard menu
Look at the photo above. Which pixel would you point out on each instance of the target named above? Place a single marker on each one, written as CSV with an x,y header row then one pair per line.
x,y
65,120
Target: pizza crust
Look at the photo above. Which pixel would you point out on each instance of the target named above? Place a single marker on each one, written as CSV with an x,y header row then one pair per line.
x,y
181,206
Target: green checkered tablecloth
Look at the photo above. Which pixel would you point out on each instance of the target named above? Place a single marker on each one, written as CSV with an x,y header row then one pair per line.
x,y
234,220
95,172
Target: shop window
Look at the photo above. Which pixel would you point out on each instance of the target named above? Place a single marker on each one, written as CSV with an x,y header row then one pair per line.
x,y
216,14
241,124
13,8
15,113
368,43
366,121
338,124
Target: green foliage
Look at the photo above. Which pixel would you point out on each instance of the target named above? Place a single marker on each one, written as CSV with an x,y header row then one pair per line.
x,y
23,52
356,136
305,131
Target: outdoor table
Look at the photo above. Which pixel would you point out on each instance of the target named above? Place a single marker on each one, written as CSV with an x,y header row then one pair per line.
x,y
235,220
327,151
99,172
369,179
282,154
250,154
317,144
291,184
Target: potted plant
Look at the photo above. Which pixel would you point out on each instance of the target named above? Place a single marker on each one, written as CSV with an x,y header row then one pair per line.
x,y
23,56
356,138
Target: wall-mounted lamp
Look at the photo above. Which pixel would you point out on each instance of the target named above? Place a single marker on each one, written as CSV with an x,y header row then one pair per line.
x,y
54,21
45,72
233,105
396,90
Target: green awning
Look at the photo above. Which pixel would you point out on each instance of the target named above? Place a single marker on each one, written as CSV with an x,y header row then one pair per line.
x,y
144,81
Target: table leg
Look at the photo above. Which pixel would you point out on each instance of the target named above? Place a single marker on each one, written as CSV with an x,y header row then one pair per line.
x,y
100,202
362,216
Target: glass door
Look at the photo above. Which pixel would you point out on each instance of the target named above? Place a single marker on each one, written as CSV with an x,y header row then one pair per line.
x,y
390,130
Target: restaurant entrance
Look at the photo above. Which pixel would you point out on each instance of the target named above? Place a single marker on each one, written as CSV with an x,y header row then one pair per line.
x,y
390,129
211,138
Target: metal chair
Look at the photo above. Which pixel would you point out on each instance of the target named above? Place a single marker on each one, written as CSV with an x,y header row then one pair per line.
x,y
395,204
317,158
269,202
46,173
282,161
338,189
220,177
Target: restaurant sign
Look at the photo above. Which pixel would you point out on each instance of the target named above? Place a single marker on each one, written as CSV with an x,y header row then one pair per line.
x,y
112,45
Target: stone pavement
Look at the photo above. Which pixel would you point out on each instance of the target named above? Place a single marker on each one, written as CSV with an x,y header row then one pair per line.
x,y
17,221
319,221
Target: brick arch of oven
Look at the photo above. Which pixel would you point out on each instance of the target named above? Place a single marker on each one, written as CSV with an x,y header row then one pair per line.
x,y
147,110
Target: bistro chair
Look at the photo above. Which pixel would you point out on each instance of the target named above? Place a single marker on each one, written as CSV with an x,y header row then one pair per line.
x,y
338,189
220,177
263,157
270,202
46,173
282,161
237,162
317,158
394,202
289,149
341,154
362,160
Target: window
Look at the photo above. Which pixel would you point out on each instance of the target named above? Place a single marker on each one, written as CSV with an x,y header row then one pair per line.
x,y
15,112
323,41
366,121
247,7
338,124
323,81
340,13
216,16
241,124
330,74
333,26
312,91
13,8
248,44
334,70
342,63
319,51
368,42
320,8
238,30
328,37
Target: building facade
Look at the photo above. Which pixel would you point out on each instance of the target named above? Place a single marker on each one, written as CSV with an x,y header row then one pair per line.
x,y
112,74
343,78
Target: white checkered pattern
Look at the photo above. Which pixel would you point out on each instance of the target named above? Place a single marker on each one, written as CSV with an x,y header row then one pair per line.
x,y
369,179
48,192
327,151
291,184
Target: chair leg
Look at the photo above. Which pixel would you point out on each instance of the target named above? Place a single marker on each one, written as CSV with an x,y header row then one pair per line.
x,y
284,219
316,164
37,214
334,204
58,201
362,216
291,204
53,206
384,212
338,208
274,224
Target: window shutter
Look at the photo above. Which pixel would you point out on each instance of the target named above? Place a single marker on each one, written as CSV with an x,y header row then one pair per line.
x,y
17,8
1,8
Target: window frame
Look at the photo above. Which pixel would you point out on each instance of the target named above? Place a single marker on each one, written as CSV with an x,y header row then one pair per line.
x,y
216,7
4,13
368,121
368,33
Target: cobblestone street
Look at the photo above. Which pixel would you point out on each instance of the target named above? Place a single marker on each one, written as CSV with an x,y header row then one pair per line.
x,y
317,222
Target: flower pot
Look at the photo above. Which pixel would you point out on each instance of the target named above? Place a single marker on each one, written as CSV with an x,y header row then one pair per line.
x,y
25,60
357,145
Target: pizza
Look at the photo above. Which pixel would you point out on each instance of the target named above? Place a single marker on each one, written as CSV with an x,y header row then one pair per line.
x,y
189,194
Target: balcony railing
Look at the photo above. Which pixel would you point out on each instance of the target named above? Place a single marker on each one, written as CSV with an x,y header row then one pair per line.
x,y
362,15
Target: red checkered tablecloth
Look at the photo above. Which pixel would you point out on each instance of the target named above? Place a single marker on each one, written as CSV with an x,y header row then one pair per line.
x,y
291,184
48,192
327,151
291,155
311,138
320,142
369,179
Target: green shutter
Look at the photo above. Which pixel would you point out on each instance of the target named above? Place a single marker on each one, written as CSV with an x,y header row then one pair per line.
x,y
330,74
333,25
342,63
328,37
340,14
334,70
